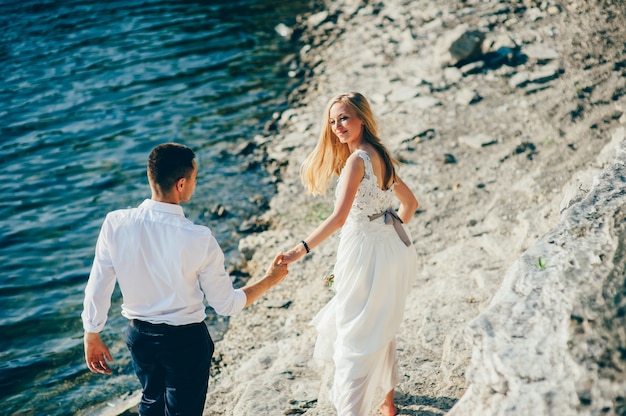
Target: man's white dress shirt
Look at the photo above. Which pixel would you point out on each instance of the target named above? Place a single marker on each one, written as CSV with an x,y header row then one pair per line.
x,y
164,265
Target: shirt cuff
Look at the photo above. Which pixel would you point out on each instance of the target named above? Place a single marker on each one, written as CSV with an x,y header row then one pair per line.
x,y
240,301
90,327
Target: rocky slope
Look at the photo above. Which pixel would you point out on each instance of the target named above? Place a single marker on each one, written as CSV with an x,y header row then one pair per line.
x,y
502,113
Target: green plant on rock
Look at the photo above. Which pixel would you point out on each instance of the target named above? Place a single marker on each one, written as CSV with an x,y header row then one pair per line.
x,y
541,263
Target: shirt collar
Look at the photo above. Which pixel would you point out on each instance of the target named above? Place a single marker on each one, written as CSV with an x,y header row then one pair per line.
x,y
162,207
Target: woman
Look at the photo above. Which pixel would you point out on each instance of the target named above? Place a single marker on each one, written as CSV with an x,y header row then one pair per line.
x,y
375,258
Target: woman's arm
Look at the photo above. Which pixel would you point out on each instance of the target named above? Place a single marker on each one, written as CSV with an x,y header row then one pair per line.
x,y
353,174
408,202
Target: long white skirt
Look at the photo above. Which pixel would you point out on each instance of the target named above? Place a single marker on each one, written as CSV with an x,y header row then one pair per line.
x,y
357,327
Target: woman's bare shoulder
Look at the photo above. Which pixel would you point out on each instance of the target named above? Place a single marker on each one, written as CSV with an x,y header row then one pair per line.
x,y
356,158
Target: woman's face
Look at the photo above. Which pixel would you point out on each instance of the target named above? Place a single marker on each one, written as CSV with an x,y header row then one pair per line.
x,y
345,123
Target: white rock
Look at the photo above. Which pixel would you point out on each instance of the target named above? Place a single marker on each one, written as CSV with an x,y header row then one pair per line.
x,y
540,52
519,79
317,19
424,103
401,93
477,141
466,96
452,74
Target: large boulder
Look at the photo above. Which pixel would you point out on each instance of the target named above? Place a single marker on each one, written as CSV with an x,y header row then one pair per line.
x,y
553,340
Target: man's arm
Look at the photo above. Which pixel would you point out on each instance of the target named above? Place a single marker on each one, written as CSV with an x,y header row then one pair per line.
x,y
274,275
96,305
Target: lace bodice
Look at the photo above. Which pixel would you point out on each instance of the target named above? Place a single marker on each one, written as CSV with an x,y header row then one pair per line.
x,y
369,199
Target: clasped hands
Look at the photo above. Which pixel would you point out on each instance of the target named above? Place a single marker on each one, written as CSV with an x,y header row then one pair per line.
x,y
293,255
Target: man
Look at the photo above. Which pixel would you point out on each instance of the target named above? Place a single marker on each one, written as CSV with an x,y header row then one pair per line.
x,y
165,265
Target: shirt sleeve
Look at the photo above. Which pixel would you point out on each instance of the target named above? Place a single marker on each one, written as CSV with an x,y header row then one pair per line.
x,y
217,284
100,284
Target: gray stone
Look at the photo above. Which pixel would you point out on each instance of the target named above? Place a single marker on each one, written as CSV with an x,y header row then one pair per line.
x,y
460,44
467,46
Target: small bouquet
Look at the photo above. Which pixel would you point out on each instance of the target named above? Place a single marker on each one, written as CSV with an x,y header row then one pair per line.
x,y
329,279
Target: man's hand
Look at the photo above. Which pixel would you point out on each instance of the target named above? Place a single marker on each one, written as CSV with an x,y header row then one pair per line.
x,y
275,274
97,353
277,270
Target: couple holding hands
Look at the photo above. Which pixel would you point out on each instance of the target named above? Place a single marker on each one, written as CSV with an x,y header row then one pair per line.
x,y
165,266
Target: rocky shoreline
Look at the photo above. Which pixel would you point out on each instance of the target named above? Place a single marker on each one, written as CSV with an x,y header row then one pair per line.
x,y
497,141
502,113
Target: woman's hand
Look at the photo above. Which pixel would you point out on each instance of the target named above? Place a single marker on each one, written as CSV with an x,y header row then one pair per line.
x,y
294,254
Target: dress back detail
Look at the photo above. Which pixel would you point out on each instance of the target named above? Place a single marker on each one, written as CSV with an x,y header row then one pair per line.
x,y
369,198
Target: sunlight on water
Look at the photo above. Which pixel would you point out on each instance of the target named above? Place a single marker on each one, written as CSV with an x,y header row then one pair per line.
x,y
87,89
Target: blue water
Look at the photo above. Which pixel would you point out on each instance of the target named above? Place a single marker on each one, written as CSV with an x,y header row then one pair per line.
x,y
87,89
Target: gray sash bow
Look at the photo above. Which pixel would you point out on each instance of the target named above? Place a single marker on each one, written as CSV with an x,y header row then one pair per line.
x,y
391,217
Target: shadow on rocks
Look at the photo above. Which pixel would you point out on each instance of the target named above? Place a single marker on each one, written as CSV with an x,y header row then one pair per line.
x,y
406,404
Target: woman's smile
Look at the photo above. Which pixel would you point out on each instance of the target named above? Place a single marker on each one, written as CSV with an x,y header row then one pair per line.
x,y
345,124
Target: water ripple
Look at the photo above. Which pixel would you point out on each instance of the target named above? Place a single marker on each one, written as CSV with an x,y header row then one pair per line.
x,y
87,88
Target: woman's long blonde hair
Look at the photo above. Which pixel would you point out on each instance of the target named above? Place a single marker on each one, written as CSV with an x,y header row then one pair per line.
x,y
330,155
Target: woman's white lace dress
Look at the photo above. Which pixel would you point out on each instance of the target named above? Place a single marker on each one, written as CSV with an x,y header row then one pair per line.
x,y
357,328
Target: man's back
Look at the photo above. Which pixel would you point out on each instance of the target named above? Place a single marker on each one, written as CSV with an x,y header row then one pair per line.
x,y
157,254
164,265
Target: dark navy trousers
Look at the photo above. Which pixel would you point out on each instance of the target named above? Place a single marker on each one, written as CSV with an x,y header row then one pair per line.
x,y
172,364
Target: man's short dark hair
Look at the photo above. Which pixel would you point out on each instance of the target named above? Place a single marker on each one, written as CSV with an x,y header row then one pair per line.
x,y
169,162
